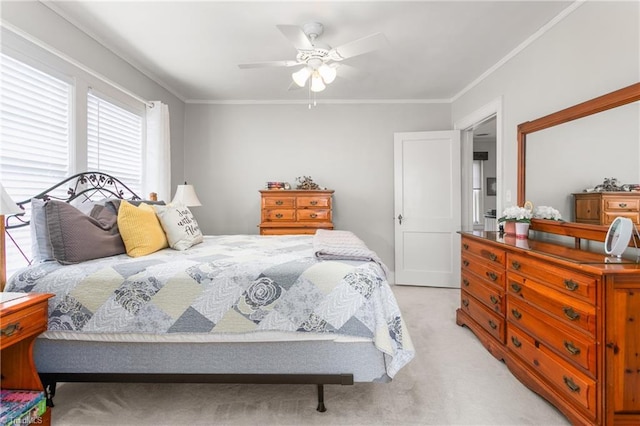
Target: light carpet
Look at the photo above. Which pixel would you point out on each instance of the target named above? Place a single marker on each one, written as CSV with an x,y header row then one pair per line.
x,y
452,380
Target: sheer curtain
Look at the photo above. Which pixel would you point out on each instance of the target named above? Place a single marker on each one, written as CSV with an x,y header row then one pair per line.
x,y
157,176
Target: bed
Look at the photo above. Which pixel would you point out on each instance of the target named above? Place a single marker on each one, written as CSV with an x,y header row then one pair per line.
x,y
233,308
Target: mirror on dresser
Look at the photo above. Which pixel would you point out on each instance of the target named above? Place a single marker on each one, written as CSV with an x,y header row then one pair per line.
x,y
577,148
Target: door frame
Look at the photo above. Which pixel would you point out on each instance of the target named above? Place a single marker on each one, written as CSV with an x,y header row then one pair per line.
x,y
466,125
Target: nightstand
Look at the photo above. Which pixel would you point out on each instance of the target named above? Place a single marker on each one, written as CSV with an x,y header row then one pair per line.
x,y
21,320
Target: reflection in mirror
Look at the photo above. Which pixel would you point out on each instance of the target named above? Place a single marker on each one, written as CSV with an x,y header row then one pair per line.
x,y
574,156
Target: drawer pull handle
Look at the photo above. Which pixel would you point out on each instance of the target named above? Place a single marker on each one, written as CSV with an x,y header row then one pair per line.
x,y
313,203
571,348
465,246
493,256
10,329
279,202
516,287
570,313
313,215
571,285
465,302
465,262
279,215
494,299
517,343
465,282
571,384
623,205
516,313
492,324
492,276
516,265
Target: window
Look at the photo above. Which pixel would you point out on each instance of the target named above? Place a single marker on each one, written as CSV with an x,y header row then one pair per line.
x,y
114,137
38,147
35,118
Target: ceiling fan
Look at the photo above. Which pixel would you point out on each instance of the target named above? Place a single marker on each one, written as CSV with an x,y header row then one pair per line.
x,y
320,61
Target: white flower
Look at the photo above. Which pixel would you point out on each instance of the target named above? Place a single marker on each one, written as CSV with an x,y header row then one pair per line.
x,y
516,214
546,212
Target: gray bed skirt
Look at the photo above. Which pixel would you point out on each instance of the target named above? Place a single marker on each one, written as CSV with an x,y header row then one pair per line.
x,y
361,359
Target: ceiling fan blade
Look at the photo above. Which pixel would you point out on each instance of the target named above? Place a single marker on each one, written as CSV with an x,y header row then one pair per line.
x,y
269,64
350,73
296,36
294,86
358,47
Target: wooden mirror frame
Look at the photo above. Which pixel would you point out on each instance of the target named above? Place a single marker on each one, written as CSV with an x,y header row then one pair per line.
x,y
611,100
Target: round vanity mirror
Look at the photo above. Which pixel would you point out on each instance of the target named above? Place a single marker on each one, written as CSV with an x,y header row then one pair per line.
x,y
618,236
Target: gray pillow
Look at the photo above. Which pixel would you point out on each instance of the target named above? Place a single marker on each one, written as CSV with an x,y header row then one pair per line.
x,y
76,237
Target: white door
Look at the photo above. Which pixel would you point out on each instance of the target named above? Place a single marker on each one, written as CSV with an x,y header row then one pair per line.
x,y
427,208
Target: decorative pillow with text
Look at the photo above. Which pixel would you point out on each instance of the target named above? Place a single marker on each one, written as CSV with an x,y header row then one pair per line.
x,y
179,225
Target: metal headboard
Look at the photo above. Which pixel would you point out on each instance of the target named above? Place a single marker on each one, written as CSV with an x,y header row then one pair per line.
x,y
85,186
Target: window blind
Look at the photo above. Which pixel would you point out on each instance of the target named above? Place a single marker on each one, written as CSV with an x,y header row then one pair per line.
x,y
114,137
35,110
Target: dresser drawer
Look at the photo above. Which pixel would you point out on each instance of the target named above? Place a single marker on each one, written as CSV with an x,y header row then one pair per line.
x,y
22,324
275,202
314,202
569,344
492,274
622,204
610,216
565,280
484,251
490,321
278,215
573,312
311,215
490,295
569,381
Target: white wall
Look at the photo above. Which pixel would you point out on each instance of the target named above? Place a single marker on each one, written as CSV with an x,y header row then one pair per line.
x,y
40,22
593,51
232,150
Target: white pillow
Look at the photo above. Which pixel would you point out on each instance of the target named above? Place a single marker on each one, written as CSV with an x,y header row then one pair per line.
x,y
41,248
179,225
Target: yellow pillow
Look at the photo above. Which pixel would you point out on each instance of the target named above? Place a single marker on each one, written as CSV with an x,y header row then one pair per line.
x,y
140,229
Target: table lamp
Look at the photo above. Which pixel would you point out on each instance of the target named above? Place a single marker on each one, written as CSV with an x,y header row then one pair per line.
x,y
7,207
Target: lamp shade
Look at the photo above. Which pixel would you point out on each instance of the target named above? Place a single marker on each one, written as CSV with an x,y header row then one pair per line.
x,y
317,85
327,73
7,205
186,196
300,77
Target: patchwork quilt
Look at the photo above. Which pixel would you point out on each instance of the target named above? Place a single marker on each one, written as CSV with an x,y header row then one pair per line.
x,y
228,284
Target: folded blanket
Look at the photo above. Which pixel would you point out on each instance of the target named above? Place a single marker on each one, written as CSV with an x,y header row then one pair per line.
x,y
343,245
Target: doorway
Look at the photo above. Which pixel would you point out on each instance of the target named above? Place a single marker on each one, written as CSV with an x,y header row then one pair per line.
x,y
481,133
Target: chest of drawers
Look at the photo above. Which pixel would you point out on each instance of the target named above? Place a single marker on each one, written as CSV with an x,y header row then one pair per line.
x,y
295,211
567,323
21,321
600,208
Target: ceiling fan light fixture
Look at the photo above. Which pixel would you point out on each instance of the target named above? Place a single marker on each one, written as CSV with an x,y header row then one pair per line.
x,y
327,73
300,77
317,85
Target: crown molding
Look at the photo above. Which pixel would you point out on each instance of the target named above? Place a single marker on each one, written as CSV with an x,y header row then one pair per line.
x,y
316,101
559,17
55,9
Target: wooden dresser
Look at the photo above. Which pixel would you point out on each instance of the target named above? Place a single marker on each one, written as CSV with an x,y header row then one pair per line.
x,y
565,322
295,211
600,208
21,321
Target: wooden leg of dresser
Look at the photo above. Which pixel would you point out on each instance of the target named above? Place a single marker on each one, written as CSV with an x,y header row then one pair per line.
x,y
495,348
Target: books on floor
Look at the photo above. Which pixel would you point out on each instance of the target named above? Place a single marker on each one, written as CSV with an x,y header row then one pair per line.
x,y
21,407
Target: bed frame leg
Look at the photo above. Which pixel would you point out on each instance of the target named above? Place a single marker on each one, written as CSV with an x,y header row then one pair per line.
x,y
321,408
49,392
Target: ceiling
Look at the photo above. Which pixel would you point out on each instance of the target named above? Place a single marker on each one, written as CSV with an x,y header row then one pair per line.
x,y
435,49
